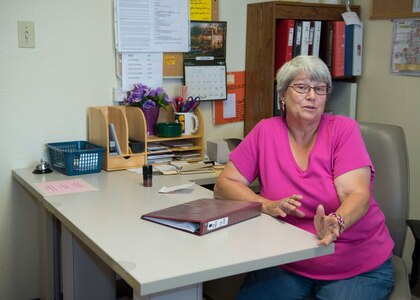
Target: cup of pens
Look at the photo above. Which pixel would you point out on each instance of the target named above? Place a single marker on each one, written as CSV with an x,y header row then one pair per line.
x,y
184,114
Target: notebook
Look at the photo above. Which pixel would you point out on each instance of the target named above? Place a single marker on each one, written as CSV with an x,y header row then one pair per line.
x,y
205,215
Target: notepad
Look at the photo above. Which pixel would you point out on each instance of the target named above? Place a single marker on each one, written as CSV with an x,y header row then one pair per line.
x,y
205,215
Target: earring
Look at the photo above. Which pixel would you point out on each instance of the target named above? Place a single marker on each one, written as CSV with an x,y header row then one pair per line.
x,y
283,106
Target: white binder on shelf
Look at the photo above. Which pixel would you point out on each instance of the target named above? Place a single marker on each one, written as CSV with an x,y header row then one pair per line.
x,y
317,38
304,48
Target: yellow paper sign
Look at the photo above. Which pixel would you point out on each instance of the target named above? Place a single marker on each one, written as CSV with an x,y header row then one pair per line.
x,y
200,10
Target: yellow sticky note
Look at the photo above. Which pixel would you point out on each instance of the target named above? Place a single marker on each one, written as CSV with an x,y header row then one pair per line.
x,y
169,60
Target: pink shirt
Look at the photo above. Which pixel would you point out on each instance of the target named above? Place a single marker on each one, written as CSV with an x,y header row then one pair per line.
x,y
339,148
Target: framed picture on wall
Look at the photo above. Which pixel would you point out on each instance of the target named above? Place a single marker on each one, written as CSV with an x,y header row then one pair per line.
x,y
208,41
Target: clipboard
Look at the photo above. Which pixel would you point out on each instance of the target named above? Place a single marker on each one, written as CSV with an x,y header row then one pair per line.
x,y
205,215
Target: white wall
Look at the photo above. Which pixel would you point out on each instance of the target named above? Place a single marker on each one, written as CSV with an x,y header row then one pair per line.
x,y
46,91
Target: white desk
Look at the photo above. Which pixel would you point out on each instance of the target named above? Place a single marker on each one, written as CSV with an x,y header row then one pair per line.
x,y
152,258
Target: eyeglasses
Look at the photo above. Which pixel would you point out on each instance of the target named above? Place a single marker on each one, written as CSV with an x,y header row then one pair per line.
x,y
304,89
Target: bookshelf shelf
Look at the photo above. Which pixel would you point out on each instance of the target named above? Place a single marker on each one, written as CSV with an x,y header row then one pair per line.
x,y
260,49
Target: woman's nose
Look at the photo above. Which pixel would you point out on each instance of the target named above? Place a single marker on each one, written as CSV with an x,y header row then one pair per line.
x,y
311,94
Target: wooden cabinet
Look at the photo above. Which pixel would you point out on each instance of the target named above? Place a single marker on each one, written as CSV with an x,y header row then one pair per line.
x,y
260,50
129,123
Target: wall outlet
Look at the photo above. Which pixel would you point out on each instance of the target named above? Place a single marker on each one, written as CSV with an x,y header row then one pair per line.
x,y
118,94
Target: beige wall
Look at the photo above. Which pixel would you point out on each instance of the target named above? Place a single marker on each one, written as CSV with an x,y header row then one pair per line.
x,y
387,98
45,92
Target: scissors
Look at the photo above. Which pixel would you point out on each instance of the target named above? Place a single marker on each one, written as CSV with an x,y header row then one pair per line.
x,y
192,103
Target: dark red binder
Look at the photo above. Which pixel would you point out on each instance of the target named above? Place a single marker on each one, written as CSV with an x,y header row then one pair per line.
x,y
284,42
338,45
205,215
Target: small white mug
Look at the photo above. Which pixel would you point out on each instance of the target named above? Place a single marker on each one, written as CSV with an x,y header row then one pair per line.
x,y
189,122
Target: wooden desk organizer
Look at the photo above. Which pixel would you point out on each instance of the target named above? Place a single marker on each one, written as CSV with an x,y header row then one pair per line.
x,y
129,122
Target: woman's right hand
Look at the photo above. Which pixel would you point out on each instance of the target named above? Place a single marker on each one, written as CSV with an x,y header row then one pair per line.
x,y
284,207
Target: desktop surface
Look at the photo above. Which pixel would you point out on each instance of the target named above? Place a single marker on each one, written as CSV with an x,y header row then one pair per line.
x,y
154,258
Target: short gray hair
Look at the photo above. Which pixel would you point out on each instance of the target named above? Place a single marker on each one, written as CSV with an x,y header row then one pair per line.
x,y
311,65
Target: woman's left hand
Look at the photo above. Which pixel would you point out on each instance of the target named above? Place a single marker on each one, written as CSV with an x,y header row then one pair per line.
x,y
327,227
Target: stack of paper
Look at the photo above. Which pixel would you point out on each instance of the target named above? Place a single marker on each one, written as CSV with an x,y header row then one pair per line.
x,y
166,169
178,144
156,147
187,155
157,153
193,168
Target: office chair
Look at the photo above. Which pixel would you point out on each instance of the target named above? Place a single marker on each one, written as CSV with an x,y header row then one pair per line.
x,y
387,148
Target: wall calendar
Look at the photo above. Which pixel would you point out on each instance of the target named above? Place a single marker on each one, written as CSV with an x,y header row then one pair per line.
x,y
206,81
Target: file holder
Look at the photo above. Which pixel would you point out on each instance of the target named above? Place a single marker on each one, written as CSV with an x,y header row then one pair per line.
x,y
129,123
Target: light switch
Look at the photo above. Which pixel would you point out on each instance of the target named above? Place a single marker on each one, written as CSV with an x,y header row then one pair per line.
x,y
26,34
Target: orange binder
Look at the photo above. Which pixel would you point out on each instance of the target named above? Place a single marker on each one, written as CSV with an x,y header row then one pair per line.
x,y
205,215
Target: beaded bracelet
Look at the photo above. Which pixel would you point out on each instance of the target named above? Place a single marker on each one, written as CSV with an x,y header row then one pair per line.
x,y
340,221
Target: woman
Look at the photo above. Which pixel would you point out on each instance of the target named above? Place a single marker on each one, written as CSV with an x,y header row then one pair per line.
x,y
316,174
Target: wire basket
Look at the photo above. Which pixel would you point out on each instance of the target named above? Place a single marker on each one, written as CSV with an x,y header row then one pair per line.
x,y
75,158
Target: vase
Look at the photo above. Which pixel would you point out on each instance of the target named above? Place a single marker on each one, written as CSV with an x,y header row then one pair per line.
x,y
151,114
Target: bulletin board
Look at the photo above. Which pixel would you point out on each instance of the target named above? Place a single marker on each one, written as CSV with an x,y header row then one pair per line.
x,y
232,110
173,62
391,9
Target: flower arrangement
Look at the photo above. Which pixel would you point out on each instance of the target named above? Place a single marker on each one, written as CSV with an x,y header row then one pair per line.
x,y
143,96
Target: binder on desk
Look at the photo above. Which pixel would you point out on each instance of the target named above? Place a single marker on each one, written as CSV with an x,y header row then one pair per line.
x,y
205,215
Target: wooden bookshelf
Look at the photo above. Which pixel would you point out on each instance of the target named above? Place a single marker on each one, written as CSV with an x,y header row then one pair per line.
x,y
260,49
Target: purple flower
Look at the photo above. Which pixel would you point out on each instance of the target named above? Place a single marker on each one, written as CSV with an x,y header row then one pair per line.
x,y
154,93
167,99
149,103
144,96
